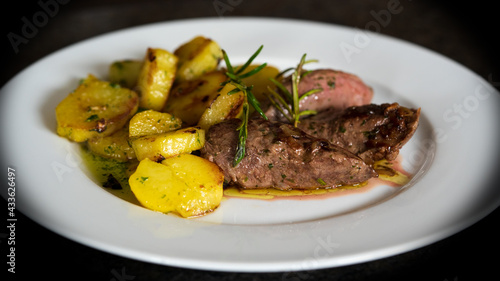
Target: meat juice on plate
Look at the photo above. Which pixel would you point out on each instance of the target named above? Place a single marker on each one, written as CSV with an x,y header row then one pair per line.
x,y
113,175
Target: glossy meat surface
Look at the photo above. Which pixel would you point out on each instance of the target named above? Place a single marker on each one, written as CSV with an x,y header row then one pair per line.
x,y
283,157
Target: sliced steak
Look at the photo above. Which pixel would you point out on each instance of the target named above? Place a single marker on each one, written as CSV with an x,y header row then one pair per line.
x,y
373,132
338,90
283,157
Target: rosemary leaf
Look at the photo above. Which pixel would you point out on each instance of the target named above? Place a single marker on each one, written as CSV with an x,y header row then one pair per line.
x,y
282,73
249,61
284,90
308,93
255,103
242,137
288,103
232,76
253,71
235,78
233,91
228,63
308,112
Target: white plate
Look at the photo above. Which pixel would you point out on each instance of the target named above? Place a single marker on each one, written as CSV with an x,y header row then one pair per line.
x,y
452,155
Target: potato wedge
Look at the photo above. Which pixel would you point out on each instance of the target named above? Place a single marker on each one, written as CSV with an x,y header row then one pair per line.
x,y
115,146
95,109
150,122
187,185
161,146
198,56
125,72
189,99
156,78
225,106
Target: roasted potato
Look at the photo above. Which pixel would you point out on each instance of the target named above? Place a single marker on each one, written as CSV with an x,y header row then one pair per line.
x,y
115,146
189,99
225,106
197,57
156,78
161,146
151,122
187,185
95,109
125,72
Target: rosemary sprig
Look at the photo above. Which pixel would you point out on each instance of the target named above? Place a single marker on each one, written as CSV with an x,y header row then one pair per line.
x,y
288,103
235,78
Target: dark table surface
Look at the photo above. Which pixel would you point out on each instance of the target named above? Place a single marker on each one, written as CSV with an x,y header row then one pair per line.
x,y
466,33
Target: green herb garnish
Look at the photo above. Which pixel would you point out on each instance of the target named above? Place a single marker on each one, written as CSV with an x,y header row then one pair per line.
x,y
235,78
321,181
92,117
288,103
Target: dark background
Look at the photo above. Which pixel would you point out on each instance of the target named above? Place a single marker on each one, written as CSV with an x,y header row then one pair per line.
x,y
466,32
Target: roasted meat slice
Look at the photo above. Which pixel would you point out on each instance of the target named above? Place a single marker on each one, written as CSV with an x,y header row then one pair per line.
x,y
338,90
373,132
283,157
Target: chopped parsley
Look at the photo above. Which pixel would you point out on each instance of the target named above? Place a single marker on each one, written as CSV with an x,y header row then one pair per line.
x,y
143,179
321,181
92,117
